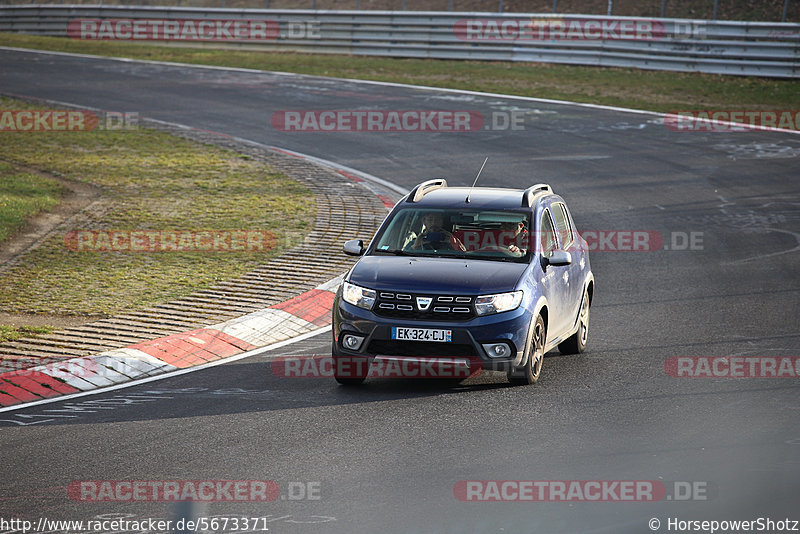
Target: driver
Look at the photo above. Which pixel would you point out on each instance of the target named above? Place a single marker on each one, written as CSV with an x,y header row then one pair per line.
x,y
510,237
434,234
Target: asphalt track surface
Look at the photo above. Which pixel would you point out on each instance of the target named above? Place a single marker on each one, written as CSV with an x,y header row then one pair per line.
x,y
387,456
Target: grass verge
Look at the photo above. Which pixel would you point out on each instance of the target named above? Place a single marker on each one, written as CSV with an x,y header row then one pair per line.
x,y
23,195
639,89
150,181
10,333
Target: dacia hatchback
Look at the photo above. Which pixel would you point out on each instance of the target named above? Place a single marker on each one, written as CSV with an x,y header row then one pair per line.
x,y
484,278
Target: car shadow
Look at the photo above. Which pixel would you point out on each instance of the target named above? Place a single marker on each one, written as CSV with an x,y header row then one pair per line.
x,y
241,387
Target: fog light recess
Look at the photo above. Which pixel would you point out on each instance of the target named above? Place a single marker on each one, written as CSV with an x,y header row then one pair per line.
x,y
497,350
351,342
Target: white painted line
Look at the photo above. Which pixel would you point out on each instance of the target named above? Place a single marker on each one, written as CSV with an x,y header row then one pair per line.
x,y
170,374
380,181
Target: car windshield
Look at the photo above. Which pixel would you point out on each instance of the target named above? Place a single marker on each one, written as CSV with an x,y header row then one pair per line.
x,y
455,233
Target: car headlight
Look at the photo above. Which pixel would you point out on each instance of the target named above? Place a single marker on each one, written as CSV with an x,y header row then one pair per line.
x,y
358,296
488,304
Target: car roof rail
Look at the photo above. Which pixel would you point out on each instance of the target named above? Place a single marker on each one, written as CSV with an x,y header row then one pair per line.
x,y
532,192
424,188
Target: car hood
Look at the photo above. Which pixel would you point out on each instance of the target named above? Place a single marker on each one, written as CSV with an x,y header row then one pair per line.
x,y
441,275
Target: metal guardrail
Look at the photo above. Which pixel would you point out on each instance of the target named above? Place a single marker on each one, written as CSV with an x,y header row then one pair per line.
x,y
719,47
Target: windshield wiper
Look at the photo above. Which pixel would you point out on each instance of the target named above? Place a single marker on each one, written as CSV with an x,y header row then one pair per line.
x,y
395,251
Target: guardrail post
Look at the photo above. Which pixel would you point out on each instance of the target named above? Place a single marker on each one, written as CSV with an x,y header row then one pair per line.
x,y
555,6
501,6
785,9
716,8
663,8
610,7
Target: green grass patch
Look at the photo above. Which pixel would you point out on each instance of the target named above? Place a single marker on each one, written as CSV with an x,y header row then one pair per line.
x,y
11,333
150,181
640,89
23,195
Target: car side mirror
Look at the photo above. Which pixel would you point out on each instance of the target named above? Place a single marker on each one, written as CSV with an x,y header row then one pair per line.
x,y
354,247
558,258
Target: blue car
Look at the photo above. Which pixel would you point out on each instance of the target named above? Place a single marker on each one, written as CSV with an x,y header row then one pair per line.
x,y
479,277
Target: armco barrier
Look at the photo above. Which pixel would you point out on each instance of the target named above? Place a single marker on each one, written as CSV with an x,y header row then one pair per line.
x,y
720,47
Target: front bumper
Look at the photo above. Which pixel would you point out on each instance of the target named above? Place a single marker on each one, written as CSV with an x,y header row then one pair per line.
x,y
467,340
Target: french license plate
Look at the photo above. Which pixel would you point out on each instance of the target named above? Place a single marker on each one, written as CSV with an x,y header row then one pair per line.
x,y
422,334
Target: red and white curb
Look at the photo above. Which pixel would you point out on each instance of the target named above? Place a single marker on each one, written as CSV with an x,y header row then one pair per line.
x,y
305,313
281,322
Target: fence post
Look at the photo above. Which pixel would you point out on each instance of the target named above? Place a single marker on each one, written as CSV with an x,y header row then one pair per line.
x,y
610,7
501,6
555,6
450,5
716,8
663,8
785,9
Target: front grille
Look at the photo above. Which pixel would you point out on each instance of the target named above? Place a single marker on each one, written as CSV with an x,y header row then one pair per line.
x,y
424,307
420,348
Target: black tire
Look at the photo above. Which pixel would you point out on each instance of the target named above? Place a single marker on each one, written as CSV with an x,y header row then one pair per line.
x,y
347,379
576,343
349,382
534,351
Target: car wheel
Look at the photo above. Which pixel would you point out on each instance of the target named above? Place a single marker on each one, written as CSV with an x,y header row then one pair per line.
x,y
349,382
576,343
348,378
529,373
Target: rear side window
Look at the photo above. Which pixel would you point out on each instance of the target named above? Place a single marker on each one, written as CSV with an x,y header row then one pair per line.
x,y
563,225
